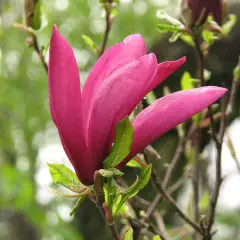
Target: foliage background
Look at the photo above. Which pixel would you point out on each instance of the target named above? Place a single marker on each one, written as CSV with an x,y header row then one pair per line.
x,y
28,138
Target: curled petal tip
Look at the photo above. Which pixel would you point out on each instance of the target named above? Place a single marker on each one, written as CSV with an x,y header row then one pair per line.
x,y
54,29
220,91
133,37
183,59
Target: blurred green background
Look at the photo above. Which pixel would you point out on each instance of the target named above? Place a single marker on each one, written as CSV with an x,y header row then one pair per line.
x,y
28,138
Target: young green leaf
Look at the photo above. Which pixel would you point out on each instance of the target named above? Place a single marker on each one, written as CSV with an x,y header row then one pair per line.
x,y
111,172
156,237
64,176
187,39
122,144
129,234
229,25
187,82
139,184
37,15
209,37
89,42
134,164
110,190
167,19
175,37
162,27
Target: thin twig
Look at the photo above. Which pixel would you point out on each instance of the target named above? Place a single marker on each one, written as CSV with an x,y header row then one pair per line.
x,y
140,203
207,235
170,170
196,176
219,179
39,52
33,43
234,88
226,112
157,182
233,151
108,27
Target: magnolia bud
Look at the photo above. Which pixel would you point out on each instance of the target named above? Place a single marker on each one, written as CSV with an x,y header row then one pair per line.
x,y
195,12
29,41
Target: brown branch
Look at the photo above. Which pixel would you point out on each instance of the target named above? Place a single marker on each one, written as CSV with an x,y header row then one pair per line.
x,y
157,183
39,52
226,112
33,43
196,176
108,27
170,170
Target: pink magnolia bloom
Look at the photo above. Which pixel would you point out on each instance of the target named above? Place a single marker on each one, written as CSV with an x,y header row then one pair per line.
x,y
202,8
87,119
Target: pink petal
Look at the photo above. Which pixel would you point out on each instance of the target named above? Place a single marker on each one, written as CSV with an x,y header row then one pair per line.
x,y
167,112
116,98
65,104
164,70
114,58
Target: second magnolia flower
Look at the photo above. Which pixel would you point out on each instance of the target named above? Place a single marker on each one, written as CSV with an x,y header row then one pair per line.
x,y
87,119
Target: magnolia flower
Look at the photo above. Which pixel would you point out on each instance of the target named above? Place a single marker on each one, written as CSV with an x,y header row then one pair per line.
x,y
86,120
202,8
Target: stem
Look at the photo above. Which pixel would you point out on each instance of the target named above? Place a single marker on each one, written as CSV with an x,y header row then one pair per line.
x,y
102,207
170,170
39,52
108,27
157,182
34,44
196,177
207,235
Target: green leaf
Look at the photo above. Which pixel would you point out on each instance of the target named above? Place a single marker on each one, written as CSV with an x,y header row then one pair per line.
x,y
65,177
168,28
175,37
229,25
156,237
111,172
77,205
37,15
187,82
139,184
129,234
134,164
122,144
187,39
209,37
110,190
168,20
89,42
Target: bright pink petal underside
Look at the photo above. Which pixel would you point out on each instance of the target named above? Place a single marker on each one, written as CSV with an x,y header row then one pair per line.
x,y
65,104
167,112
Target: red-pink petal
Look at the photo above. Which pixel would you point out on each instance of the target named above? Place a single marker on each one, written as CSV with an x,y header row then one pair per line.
x,y
114,58
169,111
65,104
116,98
164,70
